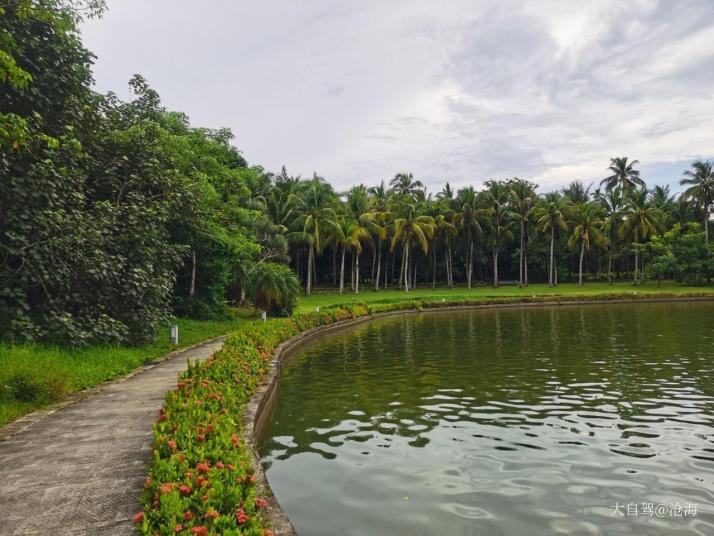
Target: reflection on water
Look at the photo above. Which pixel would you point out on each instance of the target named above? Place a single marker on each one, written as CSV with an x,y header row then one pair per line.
x,y
503,421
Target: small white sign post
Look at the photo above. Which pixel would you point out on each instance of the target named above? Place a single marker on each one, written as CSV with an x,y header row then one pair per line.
x,y
174,334
264,315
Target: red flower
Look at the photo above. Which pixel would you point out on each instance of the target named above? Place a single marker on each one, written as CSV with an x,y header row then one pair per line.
x,y
162,418
199,530
138,518
260,502
167,488
187,516
241,516
230,466
172,444
201,480
178,528
235,440
200,437
203,467
184,489
220,465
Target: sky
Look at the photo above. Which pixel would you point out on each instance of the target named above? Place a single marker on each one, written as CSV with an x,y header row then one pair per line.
x,y
450,90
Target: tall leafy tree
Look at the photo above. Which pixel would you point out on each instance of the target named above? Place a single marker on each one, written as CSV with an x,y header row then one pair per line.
x,y
641,220
522,199
550,217
412,230
497,214
700,188
468,220
587,223
315,218
623,175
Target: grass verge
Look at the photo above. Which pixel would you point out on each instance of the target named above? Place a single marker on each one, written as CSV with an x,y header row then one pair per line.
x,y
35,375
201,479
322,298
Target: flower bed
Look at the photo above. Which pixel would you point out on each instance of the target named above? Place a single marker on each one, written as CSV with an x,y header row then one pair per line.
x,y
201,480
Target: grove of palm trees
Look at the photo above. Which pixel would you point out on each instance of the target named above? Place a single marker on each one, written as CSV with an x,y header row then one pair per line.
x,y
399,235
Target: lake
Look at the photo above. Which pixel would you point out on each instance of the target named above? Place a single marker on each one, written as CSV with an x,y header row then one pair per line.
x,y
590,419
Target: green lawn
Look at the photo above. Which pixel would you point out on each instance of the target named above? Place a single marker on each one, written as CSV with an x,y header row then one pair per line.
x,y
41,374
325,298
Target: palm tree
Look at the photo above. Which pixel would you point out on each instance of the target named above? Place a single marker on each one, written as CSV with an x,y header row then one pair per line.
x,y
624,175
641,220
315,218
378,223
404,184
522,197
468,219
412,229
700,180
549,216
497,213
611,204
587,230
347,234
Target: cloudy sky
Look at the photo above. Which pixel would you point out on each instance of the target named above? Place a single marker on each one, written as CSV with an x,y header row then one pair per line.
x,y
457,91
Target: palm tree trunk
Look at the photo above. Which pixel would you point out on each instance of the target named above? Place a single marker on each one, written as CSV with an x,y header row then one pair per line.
x,y
357,272
342,271
379,265
334,266
550,269
374,261
469,262
525,266
609,265
433,268
706,224
580,270
309,270
520,258
451,268
386,270
401,268
634,281
495,268
406,268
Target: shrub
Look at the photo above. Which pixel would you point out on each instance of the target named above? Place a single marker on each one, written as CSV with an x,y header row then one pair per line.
x,y
273,287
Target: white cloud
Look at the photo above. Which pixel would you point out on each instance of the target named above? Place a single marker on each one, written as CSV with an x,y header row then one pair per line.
x,y
455,90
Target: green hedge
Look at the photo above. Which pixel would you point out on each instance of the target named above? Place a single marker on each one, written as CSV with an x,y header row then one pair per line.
x,y
201,479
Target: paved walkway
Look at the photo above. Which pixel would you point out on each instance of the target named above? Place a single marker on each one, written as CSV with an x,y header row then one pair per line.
x,y
81,469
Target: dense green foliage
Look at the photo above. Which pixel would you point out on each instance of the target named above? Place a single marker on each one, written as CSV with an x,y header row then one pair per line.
x,y
112,212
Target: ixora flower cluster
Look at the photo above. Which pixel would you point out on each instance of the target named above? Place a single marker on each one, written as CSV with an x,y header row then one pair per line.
x,y
200,480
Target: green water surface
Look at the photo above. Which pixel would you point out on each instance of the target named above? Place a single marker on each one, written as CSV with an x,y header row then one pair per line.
x,y
523,421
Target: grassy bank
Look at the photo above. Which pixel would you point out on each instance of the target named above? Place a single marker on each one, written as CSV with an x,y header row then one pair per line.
x,y
202,479
34,375
330,298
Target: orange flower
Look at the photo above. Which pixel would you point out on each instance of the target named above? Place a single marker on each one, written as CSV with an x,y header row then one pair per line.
x,y
211,514
178,528
199,530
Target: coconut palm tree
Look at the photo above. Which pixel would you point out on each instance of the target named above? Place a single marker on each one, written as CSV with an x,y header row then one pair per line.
x,y
587,222
468,220
700,180
522,198
623,175
348,235
641,220
610,203
497,214
412,230
404,184
378,223
314,221
549,216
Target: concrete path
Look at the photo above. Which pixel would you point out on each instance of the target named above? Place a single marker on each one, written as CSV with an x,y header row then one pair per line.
x,y
80,470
